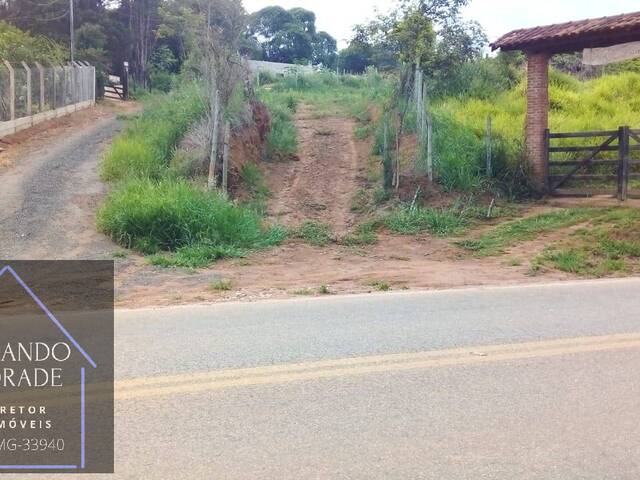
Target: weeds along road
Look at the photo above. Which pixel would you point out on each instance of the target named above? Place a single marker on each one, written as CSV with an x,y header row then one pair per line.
x,y
49,197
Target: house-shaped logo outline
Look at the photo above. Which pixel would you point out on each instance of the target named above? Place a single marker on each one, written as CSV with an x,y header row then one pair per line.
x,y
87,357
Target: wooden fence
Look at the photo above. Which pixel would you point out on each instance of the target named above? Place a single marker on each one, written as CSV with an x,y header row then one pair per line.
x,y
607,166
30,94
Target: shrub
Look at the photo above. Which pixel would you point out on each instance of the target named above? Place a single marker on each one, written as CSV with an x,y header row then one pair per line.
x,y
169,214
160,80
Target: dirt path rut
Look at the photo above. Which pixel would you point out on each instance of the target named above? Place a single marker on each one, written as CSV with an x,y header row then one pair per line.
x,y
320,186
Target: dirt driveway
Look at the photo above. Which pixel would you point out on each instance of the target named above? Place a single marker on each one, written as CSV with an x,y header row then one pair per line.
x,y
50,188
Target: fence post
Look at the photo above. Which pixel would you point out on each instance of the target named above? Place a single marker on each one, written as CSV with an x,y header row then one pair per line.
x,y
93,84
29,99
41,77
55,87
488,145
621,156
74,86
225,156
125,81
12,91
547,158
429,147
625,163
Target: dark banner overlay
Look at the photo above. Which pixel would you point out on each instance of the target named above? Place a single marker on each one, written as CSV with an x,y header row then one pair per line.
x,y
56,366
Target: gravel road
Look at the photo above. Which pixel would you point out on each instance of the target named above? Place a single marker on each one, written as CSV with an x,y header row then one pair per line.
x,y
48,199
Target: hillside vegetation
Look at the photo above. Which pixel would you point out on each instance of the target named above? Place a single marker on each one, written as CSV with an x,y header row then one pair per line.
x,y
154,209
602,103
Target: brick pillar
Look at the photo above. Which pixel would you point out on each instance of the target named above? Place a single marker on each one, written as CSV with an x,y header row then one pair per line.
x,y
537,116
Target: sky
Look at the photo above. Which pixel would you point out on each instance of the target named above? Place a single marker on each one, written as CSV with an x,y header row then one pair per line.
x,y
496,16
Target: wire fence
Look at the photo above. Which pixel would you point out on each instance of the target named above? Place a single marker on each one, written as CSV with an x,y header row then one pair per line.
x,y
29,91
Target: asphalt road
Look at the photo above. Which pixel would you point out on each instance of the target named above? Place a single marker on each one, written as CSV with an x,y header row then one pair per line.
x,y
528,382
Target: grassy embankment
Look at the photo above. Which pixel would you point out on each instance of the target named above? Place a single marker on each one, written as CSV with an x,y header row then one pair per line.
x,y
154,210
606,242
604,103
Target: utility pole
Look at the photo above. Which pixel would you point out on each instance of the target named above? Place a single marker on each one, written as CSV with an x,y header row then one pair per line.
x,y
72,32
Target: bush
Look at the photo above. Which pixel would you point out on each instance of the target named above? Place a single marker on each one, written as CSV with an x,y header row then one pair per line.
x,y
145,148
160,80
169,214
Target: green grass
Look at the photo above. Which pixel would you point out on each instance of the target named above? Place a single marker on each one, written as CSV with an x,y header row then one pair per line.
x,y
282,139
324,290
362,133
379,285
222,285
508,234
173,215
253,181
608,246
314,233
412,221
303,292
365,234
145,148
603,103
361,201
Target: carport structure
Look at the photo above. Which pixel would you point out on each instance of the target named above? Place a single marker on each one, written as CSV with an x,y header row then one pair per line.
x,y
539,44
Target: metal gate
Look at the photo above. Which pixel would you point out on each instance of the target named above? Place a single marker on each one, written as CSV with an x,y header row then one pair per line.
x,y
607,166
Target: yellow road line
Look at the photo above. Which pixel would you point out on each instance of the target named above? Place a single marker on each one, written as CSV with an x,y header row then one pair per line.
x,y
277,374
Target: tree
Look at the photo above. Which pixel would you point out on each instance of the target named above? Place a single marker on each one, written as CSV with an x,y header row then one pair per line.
x,y
268,22
288,36
143,18
304,18
415,39
325,50
222,68
19,46
355,58
438,11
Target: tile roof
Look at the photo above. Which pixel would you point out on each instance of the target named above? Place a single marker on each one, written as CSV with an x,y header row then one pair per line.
x,y
571,32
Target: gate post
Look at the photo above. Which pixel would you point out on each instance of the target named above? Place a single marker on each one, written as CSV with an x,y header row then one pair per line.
x,y
537,119
623,161
547,158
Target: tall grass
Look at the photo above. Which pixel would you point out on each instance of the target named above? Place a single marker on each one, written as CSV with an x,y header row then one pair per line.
x,y
146,146
152,209
459,123
171,214
282,139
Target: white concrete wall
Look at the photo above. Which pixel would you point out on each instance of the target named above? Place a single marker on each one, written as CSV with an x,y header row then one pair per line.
x,y
278,68
14,126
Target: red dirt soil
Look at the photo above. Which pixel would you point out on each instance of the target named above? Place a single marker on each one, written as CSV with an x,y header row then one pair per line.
x,y
320,186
